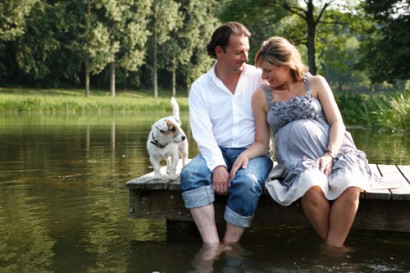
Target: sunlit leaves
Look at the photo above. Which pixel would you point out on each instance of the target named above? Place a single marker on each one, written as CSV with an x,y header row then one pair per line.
x,y
13,15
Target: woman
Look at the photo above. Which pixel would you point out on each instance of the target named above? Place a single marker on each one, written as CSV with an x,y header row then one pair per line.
x,y
322,164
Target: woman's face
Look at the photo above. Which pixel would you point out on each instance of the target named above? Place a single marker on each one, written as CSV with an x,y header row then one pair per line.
x,y
274,75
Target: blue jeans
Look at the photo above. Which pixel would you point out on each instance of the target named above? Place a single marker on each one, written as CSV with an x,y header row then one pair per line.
x,y
243,192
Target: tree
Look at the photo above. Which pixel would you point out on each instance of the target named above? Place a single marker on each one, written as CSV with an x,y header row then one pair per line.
x,y
115,35
180,54
165,19
96,43
338,46
386,44
36,49
312,15
128,28
13,15
261,17
296,20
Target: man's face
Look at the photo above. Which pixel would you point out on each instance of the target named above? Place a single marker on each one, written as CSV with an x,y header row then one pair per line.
x,y
235,55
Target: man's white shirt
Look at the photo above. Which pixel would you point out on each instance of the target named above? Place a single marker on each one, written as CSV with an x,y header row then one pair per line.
x,y
219,118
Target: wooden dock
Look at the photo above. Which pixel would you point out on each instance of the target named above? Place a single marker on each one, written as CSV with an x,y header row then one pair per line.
x,y
382,209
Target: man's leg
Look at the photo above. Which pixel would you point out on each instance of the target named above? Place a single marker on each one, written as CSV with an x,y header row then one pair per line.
x,y
243,196
198,195
204,218
232,234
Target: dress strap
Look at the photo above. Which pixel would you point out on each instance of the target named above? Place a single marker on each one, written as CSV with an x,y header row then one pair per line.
x,y
307,83
268,93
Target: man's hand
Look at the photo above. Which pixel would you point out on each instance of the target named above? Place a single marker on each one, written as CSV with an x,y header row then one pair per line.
x,y
220,180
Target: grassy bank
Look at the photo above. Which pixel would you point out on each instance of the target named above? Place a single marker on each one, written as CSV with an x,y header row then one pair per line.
x,y
389,112
74,101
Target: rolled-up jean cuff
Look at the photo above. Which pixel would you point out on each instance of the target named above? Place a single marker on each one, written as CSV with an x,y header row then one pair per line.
x,y
238,220
198,197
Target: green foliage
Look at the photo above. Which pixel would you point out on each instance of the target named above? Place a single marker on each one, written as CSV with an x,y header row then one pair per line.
x,y
262,18
388,111
37,48
191,39
55,43
13,15
386,44
116,32
130,30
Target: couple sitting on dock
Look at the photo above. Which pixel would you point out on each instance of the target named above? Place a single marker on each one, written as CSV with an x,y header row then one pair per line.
x,y
234,107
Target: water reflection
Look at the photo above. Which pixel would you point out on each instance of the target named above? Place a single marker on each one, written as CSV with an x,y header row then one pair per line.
x,y
276,249
64,207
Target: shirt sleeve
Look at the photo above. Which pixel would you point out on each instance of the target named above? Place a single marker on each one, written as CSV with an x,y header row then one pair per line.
x,y
201,127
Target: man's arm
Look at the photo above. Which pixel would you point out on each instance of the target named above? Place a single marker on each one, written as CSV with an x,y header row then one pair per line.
x,y
201,127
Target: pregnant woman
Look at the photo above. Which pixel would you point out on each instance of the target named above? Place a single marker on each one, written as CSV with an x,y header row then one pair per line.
x,y
323,167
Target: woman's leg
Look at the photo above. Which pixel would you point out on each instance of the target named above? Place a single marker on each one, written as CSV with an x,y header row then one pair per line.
x,y
342,214
317,209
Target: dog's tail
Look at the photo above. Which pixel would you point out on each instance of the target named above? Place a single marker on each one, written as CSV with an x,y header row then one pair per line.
x,y
175,109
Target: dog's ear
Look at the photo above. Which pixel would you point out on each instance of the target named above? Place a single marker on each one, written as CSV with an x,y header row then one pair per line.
x,y
173,120
162,125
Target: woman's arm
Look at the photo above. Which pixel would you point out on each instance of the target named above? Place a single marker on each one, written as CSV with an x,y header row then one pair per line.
x,y
334,118
262,135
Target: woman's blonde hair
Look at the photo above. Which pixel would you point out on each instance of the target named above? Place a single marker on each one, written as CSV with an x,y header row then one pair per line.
x,y
279,51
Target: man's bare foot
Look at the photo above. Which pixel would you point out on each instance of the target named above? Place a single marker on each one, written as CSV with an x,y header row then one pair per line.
x,y
207,255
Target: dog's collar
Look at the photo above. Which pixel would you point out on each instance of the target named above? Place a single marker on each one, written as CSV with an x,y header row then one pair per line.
x,y
156,143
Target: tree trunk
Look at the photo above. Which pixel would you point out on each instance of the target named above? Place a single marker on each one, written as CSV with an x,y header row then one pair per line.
x,y
174,76
188,88
154,65
87,56
112,80
87,76
311,33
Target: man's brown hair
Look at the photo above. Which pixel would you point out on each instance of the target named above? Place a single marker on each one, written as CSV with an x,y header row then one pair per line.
x,y
221,36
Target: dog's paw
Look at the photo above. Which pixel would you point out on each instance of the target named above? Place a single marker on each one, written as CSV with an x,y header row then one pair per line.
x,y
173,176
157,175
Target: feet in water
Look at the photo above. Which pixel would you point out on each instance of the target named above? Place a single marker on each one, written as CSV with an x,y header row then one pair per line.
x,y
206,256
204,259
335,251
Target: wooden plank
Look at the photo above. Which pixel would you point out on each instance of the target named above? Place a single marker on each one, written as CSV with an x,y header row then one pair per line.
x,y
392,173
383,194
405,171
391,215
161,198
137,183
148,181
373,214
175,185
157,204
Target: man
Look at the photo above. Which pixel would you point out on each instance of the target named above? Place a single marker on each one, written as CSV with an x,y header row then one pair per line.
x,y
223,126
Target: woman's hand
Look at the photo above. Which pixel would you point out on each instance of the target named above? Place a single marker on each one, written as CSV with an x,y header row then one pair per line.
x,y
325,163
241,162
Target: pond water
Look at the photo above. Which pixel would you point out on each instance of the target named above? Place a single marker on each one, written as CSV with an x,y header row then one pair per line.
x,y
64,207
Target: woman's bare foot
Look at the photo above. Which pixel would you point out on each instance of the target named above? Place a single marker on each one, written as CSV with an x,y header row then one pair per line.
x,y
330,250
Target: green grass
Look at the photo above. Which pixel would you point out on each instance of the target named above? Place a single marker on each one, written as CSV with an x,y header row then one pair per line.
x,y
387,111
75,102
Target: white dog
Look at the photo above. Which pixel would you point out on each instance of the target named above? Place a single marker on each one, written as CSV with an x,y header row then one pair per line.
x,y
167,141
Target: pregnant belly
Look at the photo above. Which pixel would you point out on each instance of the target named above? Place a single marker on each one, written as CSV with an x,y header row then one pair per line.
x,y
301,138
